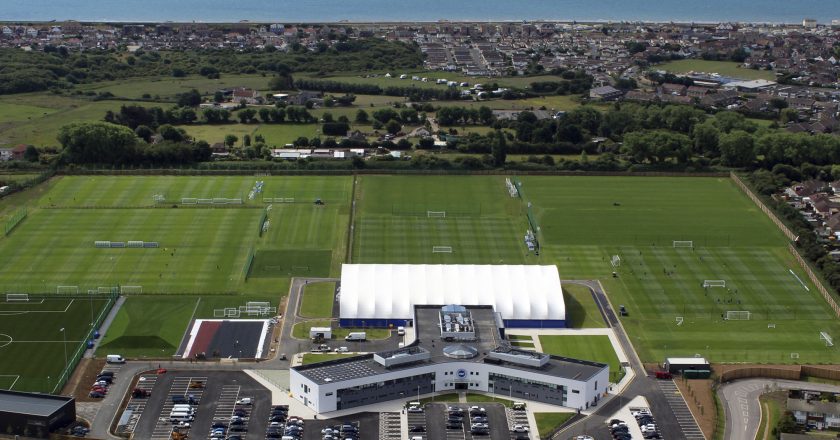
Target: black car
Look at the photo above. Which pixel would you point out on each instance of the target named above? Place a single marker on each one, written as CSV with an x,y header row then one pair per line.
x,y
417,428
454,425
238,428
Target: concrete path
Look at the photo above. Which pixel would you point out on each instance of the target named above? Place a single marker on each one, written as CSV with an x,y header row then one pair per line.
x,y
743,410
106,324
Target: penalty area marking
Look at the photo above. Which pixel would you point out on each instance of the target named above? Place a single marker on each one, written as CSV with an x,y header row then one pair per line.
x,y
799,279
23,312
5,341
16,376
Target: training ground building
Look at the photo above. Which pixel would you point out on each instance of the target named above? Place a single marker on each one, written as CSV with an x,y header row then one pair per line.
x,y
456,348
34,415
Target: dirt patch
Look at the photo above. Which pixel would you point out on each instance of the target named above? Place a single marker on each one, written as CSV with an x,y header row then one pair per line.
x,y
79,384
700,399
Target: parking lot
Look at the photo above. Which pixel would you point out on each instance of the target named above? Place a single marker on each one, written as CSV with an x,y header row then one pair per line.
x,y
214,395
368,426
438,420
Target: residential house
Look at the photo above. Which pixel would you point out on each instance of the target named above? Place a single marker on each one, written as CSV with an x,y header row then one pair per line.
x,y
605,93
250,96
814,409
304,96
18,151
5,154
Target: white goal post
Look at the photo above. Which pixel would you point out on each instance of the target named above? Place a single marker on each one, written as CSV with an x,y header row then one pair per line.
x,y
23,297
66,290
615,261
128,290
680,320
737,315
436,214
714,283
441,249
684,244
829,341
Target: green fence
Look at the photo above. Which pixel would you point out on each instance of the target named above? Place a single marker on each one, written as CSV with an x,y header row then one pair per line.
x,y
73,360
246,270
15,220
263,219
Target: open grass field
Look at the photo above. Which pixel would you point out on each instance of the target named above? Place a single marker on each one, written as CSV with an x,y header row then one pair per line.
x,y
581,309
166,88
547,422
482,223
46,114
148,326
382,81
724,68
318,300
32,343
585,220
590,347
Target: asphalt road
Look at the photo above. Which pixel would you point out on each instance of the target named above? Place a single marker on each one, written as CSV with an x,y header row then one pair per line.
x,y
743,411
642,385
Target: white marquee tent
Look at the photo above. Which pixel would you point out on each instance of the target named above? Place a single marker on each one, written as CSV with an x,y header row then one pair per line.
x,y
390,291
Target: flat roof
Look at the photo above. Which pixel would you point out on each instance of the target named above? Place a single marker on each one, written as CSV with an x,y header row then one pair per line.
x,y
688,360
34,404
427,328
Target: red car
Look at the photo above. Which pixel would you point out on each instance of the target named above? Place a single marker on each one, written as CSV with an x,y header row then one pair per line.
x,y
663,375
161,370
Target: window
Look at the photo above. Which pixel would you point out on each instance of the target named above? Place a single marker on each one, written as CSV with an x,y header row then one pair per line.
x,y
329,394
575,392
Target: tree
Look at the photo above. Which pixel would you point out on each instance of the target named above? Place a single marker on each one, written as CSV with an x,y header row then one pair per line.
x,y
246,116
170,133
230,140
246,140
361,117
189,99
218,97
737,149
327,117
265,115
393,127
97,142
144,132
31,154
281,82
706,139
499,149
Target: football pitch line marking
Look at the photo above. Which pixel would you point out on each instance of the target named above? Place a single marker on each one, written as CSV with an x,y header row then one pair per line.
x,y
23,312
6,343
16,376
41,301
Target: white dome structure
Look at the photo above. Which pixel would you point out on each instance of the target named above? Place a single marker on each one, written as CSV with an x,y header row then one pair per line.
x,y
378,295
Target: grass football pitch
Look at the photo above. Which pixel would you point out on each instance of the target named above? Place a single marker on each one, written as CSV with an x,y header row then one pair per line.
x,y
32,344
401,219
584,221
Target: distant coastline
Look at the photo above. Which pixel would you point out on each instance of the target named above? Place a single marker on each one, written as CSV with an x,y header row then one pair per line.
x,y
427,11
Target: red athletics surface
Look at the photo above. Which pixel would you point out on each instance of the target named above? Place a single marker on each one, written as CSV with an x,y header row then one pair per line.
x,y
205,334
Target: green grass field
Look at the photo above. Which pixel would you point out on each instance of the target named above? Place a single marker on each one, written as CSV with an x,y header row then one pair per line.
x,y
318,300
581,309
166,88
585,220
547,422
724,68
32,345
482,223
590,347
148,326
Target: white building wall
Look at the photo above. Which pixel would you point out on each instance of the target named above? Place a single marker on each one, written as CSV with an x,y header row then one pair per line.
x,y
318,397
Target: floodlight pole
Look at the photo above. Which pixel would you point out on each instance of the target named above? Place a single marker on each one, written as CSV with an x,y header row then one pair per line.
x,y
64,338
90,296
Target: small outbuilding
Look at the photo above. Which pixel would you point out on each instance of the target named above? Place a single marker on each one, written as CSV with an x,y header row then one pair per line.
x,y
678,365
35,415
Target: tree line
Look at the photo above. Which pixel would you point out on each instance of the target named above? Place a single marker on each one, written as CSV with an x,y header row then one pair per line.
x,y
50,67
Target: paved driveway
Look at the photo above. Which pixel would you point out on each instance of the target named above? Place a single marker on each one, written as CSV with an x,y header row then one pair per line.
x,y
743,411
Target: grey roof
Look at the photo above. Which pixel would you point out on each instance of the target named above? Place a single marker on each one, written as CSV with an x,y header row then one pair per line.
x,y
30,403
428,337
814,406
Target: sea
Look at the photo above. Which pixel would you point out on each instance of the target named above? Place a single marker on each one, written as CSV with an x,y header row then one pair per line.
x,y
301,11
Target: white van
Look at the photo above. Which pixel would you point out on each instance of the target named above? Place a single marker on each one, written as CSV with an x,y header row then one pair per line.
x,y
114,359
401,331
180,417
182,407
356,336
